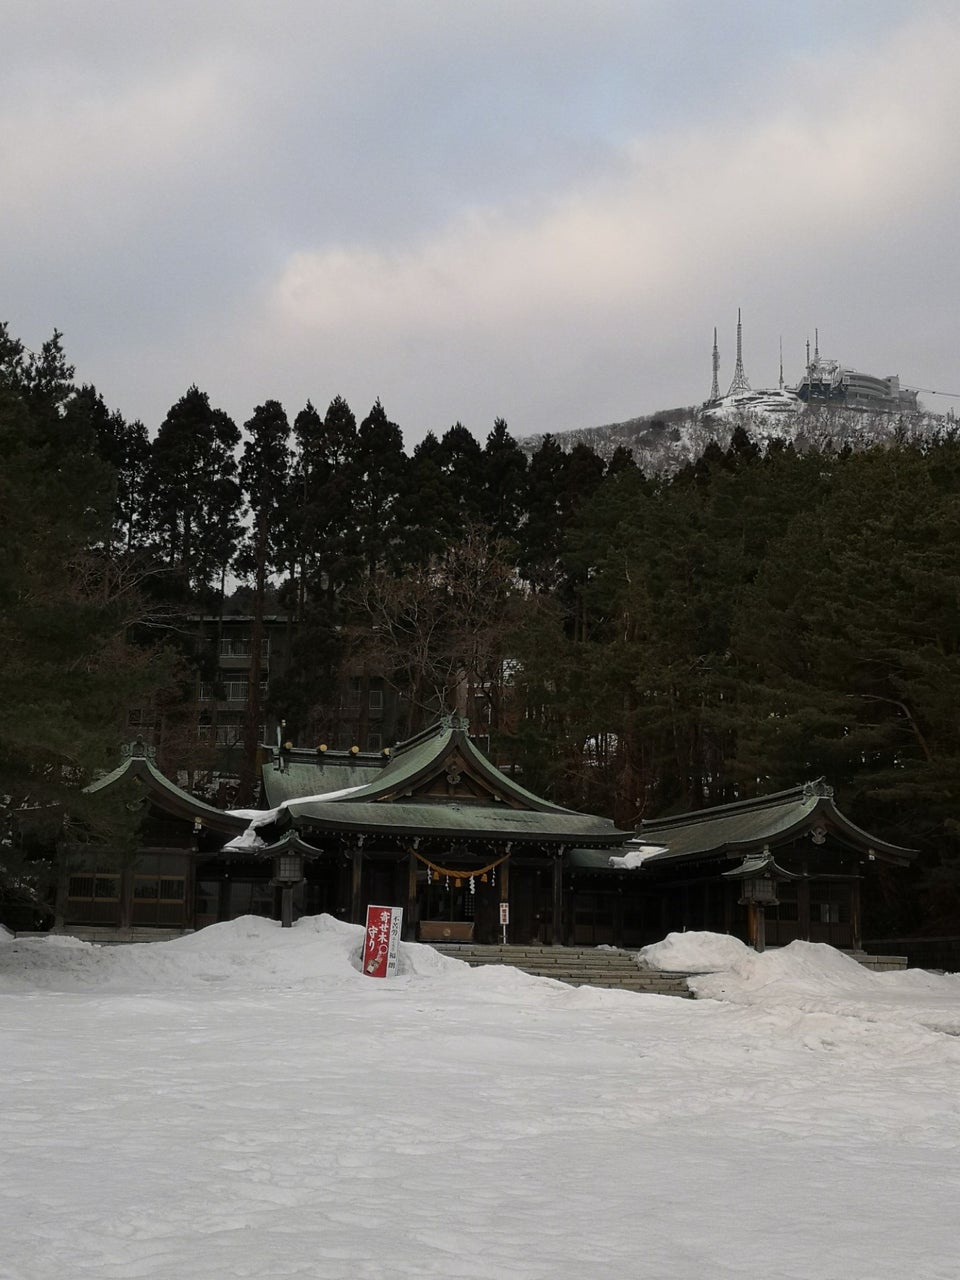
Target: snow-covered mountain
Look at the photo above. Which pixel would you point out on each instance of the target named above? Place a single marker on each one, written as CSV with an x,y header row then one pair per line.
x,y
664,442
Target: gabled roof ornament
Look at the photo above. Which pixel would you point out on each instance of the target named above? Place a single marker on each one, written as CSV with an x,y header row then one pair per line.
x,y
819,788
451,720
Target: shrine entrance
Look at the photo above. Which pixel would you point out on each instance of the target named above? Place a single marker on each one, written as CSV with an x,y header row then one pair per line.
x,y
460,903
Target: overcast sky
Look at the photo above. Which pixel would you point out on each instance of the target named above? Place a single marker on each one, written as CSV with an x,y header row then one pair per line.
x,y
534,209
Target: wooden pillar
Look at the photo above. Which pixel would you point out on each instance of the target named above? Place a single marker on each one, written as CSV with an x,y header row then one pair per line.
x,y
556,933
410,914
223,897
63,886
760,917
126,894
803,909
503,873
190,893
356,885
729,894
286,906
855,927
752,910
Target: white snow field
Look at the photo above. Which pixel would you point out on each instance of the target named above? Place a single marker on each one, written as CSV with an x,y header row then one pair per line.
x,y
244,1102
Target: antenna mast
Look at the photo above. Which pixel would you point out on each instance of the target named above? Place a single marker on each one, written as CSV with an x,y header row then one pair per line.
x,y
715,385
739,383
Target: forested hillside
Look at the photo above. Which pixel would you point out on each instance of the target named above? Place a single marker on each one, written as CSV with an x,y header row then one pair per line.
x,y
633,644
661,443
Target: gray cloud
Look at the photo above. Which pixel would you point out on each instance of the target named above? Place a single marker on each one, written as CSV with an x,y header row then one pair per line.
x,y
530,209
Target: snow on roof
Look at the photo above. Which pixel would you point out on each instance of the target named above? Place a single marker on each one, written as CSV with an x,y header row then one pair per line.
x,y
636,855
263,817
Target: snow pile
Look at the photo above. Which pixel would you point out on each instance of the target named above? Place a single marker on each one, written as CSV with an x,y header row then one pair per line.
x,y
251,953
244,1102
694,952
809,977
247,952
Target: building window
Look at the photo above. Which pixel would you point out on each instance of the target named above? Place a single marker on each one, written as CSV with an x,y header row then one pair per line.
x,y
159,900
159,888
97,887
374,741
240,646
376,699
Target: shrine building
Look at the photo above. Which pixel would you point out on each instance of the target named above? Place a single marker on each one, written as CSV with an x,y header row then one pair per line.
x,y
435,827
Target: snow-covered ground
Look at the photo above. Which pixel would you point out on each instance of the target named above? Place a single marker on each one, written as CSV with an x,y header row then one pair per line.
x,y
244,1103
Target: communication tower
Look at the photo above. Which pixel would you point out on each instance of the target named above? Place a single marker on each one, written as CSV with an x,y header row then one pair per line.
x,y
739,383
715,385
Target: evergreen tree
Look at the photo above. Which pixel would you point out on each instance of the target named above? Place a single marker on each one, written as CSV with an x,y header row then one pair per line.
x,y
504,483
434,518
126,448
326,472
380,491
459,458
193,497
265,476
68,672
542,545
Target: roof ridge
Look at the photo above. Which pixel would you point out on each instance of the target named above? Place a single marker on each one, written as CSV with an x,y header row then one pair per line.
x,y
802,790
432,731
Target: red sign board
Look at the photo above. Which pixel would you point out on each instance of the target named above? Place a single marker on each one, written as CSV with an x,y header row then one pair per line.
x,y
381,942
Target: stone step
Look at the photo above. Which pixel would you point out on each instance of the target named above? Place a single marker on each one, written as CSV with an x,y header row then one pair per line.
x,y
575,966
108,936
551,955
680,991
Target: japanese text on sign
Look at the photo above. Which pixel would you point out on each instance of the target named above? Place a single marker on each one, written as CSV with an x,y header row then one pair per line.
x,y
381,943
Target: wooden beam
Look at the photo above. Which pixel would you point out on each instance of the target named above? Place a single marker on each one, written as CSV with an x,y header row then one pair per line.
x,y
557,930
410,915
356,886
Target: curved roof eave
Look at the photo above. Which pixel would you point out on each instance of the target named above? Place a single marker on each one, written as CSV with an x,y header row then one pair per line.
x,y
168,795
498,824
418,758
823,805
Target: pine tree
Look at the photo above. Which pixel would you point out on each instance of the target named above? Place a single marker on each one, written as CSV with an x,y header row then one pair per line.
x,y
126,448
504,483
380,490
68,673
192,494
265,476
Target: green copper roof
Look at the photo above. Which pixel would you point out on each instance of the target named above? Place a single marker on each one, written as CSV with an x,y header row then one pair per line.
x,y
383,777
748,825
477,821
166,794
368,795
316,774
